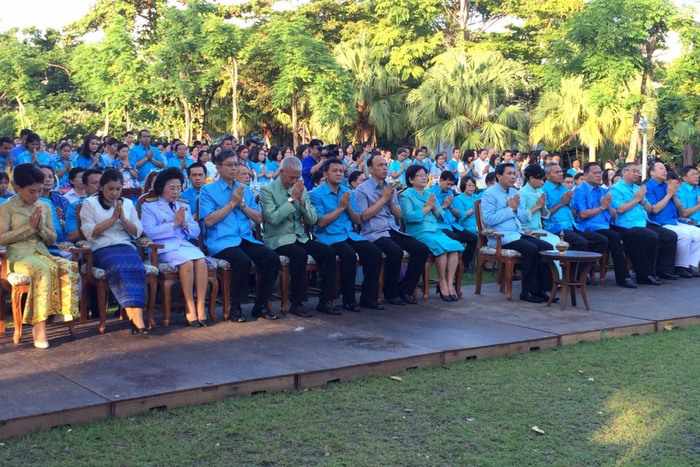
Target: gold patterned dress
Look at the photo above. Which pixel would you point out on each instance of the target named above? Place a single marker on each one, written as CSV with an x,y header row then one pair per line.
x,y
55,281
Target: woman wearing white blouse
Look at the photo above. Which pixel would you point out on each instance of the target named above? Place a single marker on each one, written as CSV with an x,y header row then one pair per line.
x,y
109,223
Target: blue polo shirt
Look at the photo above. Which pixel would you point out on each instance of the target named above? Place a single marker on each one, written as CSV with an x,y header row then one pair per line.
x,y
85,162
137,153
325,200
174,161
71,224
688,196
655,193
236,226
306,174
586,197
191,195
563,219
623,193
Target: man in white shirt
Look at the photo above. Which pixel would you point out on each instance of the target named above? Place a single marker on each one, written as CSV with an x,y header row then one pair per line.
x,y
482,169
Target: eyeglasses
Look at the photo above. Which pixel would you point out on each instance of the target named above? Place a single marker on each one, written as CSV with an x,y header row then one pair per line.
x,y
173,187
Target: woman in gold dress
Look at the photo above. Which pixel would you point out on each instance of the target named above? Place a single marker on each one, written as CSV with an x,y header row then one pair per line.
x,y
26,229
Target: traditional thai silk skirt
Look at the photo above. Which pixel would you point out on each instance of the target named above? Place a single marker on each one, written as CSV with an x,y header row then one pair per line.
x,y
125,274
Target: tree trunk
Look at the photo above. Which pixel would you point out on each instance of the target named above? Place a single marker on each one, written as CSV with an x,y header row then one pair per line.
x,y
295,124
187,137
105,129
649,49
233,70
127,118
464,18
688,154
22,114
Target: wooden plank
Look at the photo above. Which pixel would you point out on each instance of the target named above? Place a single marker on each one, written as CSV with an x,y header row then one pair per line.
x,y
501,350
76,416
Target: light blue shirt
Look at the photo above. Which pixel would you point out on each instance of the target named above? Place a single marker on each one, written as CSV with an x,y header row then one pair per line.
x,y
464,203
418,222
174,161
497,215
42,158
529,196
563,219
86,162
689,196
325,201
623,193
367,193
191,196
158,219
448,221
586,197
57,224
72,217
138,152
236,226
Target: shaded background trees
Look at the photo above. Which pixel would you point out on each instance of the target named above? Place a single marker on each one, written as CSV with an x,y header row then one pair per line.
x,y
563,75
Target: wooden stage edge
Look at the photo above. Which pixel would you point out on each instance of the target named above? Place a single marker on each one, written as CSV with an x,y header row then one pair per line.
x,y
314,379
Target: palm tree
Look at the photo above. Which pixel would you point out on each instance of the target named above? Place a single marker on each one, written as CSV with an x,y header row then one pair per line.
x,y
379,96
570,112
467,101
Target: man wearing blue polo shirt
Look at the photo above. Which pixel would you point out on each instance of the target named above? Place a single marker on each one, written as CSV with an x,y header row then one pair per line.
x,y
227,208
197,174
336,216
687,198
664,216
179,158
592,205
34,154
144,157
648,251
561,217
312,163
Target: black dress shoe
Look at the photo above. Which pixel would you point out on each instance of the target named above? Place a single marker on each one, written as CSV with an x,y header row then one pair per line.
x,y
668,276
371,306
202,323
237,316
395,301
545,296
627,284
650,280
328,308
264,313
300,311
528,297
409,299
351,307
684,273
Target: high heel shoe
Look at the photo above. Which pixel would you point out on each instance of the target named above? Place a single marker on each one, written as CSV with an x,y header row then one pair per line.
x,y
445,298
454,297
202,323
138,331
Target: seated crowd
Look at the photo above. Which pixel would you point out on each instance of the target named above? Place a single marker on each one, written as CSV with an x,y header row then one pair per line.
x,y
257,209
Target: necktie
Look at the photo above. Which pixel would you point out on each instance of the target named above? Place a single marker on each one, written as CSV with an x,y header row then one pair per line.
x,y
172,206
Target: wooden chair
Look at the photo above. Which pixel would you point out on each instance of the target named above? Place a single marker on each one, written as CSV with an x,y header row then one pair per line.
x,y
426,276
17,286
505,258
168,276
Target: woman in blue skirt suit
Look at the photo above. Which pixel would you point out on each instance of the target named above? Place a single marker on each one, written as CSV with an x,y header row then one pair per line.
x,y
421,211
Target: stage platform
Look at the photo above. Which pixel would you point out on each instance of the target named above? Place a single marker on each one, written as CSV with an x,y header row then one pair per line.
x,y
90,376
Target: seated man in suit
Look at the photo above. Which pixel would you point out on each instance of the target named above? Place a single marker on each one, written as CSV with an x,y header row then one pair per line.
x,y
592,204
502,211
336,216
287,213
649,252
664,216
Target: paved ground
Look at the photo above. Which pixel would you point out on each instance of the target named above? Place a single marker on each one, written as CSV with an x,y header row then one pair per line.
x,y
95,374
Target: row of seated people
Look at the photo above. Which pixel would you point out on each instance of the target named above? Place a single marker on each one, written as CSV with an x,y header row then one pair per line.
x,y
229,212
645,222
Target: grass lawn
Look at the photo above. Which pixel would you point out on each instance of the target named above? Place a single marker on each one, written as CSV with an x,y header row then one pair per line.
x,y
632,401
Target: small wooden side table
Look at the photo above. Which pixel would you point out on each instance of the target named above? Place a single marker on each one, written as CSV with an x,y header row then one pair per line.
x,y
575,266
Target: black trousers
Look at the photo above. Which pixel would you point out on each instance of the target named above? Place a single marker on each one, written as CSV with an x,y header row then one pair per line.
x,y
371,259
468,239
642,247
325,260
537,278
665,263
267,263
617,251
393,247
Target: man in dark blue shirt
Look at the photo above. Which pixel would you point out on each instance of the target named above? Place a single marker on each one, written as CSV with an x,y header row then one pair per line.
x,y
312,164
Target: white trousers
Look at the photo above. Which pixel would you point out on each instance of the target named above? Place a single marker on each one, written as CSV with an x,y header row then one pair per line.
x,y
688,246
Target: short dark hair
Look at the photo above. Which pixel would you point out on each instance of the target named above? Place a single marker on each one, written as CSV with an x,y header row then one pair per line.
x,y
533,171
686,169
463,182
587,166
141,132
315,143
411,173
74,172
88,172
490,177
4,177
354,176
164,176
329,162
370,159
196,165
223,155
110,175
6,139
447,175
25,175
402,150
501,168
578,175
33,138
